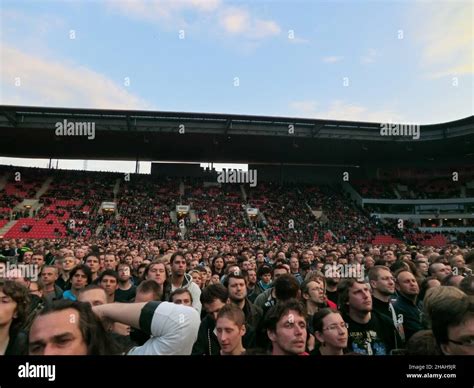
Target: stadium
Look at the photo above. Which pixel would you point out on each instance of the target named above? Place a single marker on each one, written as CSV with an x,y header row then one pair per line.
x,y
310,173
305,217
410,202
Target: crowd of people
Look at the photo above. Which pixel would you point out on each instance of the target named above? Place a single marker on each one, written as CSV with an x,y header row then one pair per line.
x,y
219,213
112,296
301,276
145,204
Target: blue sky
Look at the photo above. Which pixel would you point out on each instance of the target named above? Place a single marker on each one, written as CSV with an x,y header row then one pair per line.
x,y
399,61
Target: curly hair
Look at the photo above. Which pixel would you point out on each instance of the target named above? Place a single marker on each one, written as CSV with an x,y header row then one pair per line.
x,y
20,294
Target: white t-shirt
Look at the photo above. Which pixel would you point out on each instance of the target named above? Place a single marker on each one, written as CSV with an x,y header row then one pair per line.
x,y
173,329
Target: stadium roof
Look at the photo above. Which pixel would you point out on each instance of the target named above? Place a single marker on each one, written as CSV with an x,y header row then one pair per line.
x,y
193,137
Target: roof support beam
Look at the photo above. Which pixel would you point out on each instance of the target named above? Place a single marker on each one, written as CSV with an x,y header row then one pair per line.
x,y
10,117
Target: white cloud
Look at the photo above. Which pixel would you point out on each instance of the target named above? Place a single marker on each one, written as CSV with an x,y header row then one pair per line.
x,y
261,29
332,59
444,32
369,57
232,20
238,21
339,110
50,82
235,20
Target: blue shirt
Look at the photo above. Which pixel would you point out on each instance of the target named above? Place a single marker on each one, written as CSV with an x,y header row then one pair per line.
x,y
69,295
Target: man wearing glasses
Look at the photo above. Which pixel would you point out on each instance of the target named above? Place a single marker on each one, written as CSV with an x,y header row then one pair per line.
x,y
453,325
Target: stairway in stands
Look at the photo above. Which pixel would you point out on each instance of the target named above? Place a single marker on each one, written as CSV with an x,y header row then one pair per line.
x,y
5,226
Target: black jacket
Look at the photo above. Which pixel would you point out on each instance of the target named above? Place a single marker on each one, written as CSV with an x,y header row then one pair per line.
x,y
17,345
411,315
253,314
206,343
